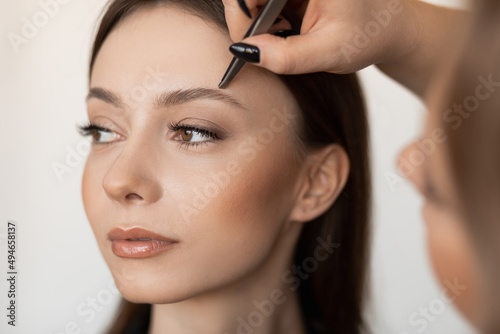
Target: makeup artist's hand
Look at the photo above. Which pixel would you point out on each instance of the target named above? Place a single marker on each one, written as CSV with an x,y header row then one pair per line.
x,y
338,36
405,39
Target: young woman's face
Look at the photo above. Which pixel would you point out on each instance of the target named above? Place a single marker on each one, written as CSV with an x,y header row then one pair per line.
x,y
425,163
211,170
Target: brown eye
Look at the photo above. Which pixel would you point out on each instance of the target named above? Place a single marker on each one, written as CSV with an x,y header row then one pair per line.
x,y
187,135
104,136
96,135
99,134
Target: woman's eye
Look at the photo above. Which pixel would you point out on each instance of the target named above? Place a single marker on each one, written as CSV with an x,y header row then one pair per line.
x,y
184,134
189,135
104,136
193,136
99,134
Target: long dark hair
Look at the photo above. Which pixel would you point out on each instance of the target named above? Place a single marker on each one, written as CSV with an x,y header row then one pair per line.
x,y
332,112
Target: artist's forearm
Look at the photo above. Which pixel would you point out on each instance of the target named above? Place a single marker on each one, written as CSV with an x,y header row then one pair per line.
x,y
426,37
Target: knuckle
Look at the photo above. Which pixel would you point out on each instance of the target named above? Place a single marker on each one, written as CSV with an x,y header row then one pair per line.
x,y
288,62
284,59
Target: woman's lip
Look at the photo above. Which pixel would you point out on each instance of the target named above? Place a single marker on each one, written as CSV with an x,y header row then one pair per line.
x,y
140,249
124,242
119,233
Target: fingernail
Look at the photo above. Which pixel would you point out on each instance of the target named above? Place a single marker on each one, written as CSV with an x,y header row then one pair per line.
x,y
284,33
246,52
244,8
278,20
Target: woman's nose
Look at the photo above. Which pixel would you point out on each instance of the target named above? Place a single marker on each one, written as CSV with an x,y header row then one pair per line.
x,y
409,162
132,177
403,158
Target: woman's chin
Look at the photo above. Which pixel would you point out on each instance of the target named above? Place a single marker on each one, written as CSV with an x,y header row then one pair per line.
x,y
150,295
137,289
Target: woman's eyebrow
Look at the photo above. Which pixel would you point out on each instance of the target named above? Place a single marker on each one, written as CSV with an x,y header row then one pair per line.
x,y
186,95
104,95
169,98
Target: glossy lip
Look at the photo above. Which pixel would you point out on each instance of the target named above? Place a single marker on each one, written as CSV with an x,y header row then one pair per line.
x,y
124,245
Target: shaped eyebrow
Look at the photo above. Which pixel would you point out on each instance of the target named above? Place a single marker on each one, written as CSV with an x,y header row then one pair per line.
x,y
169,98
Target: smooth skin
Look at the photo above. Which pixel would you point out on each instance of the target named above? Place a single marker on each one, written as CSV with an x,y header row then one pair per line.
x,y
233,248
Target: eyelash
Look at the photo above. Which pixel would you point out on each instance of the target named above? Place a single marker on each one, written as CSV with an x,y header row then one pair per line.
x,y
90,128
174,126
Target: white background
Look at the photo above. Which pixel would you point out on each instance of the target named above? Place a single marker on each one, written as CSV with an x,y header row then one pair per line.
x,y
42,92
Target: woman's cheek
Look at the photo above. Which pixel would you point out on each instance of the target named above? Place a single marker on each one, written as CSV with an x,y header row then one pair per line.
x,y
90,197
242,223
253,200
95,200
452,259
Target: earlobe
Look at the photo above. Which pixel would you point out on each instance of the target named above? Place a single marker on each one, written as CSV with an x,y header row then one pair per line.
x,y
323,181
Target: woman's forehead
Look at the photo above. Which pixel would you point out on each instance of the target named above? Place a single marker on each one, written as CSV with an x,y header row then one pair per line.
x,y
182,51
183,45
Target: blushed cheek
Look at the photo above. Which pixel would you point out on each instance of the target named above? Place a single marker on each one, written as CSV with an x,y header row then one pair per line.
x,y
256,201
87,197
92,199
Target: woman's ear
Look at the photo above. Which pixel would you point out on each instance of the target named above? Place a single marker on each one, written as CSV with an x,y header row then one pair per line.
x,y
324,178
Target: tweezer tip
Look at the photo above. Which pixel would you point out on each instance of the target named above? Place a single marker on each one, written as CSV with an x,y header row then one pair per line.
x,y
222,83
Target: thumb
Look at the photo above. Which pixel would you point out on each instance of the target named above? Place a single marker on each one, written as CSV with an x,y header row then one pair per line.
x,y
296,54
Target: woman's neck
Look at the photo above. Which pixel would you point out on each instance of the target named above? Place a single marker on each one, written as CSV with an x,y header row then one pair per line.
x,y
264,302
274,313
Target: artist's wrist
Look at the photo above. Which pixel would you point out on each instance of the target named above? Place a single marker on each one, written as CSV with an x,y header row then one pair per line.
x,y
403,40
